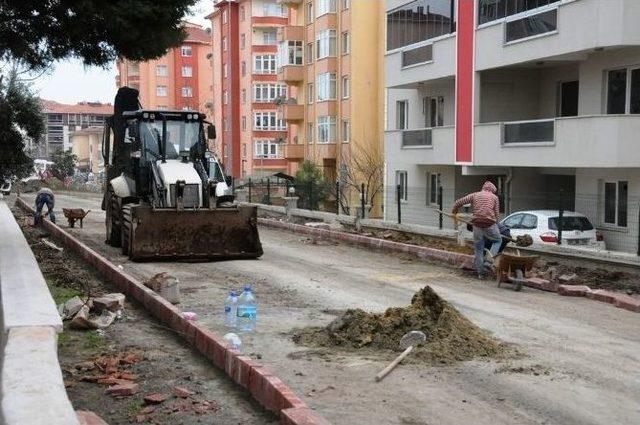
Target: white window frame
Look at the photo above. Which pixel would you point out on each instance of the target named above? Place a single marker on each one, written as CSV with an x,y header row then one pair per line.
x,y
405,124
402,179
325,6
617,203
326,88
244,96
225,71
187,71
243,41
346,87
224,44
431,179
273,38
326,44
627,97
265,64
290,52
346,131
268,121
162,91
310,93
326,125
311,131
162,71
186,91
244,123
274,10
224,16
267,149
346,4
310,13
268,92
186,51
225,97
439,111
345,43
309,53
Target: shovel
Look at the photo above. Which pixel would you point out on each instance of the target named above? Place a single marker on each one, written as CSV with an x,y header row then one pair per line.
x,y
523,241
407,342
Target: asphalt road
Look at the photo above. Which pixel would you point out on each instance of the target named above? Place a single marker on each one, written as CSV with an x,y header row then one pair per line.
x,y
581,362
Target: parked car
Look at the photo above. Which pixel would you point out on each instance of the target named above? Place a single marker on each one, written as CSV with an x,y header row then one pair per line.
x,y
5,187
542,225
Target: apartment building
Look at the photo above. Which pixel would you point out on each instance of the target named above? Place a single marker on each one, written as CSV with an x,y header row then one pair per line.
x,y
181,79
246,90
63,119
86,145
330,57
540,96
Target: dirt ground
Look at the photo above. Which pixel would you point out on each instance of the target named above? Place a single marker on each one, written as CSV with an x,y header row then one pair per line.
x,y
163,362
579,359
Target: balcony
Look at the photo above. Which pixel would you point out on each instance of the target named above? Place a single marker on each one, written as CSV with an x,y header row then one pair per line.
x,y
289,32
292,112
289,2
326,150
583,141
562,28
425,146
291,73
294,152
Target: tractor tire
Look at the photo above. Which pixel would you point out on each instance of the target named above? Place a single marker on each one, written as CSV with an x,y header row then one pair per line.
x,y
126,230
112,221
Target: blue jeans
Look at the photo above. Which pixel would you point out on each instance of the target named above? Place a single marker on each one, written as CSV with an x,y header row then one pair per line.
x,y
41,200
480,236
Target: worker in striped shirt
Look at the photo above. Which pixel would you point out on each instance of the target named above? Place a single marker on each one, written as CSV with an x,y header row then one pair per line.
x,y
486,210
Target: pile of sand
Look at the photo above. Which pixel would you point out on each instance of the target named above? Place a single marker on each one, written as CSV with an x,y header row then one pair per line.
x,y
450,336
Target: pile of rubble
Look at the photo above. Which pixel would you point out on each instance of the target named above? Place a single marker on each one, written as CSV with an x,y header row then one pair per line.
x,y
596,278
93,313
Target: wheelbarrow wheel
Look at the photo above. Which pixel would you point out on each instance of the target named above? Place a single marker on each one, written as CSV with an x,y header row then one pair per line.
x,y
519,278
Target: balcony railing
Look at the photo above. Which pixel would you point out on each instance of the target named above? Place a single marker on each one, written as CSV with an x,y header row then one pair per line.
x,y
413,138
535,131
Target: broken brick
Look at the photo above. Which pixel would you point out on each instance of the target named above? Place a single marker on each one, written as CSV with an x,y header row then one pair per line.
x,y
573,290
123,390
155,398
130,359
129,376
182,392
86,417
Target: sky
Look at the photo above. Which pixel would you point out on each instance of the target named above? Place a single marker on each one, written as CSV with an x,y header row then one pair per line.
x,y
71,82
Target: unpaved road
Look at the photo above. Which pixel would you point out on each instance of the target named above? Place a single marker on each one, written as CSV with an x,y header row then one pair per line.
x,y
581,363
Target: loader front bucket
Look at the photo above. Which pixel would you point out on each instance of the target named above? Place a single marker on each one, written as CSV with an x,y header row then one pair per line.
x,y
206,234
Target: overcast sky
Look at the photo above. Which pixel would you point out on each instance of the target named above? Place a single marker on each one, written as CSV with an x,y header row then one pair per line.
x,y
72,82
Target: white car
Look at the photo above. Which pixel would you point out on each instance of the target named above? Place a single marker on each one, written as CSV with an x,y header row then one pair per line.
x,y
542,225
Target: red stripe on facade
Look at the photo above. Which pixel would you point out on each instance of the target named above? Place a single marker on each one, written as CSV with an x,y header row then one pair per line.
x,y
465,80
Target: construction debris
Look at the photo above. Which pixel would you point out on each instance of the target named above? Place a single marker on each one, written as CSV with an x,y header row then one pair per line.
x,y
182,392
450,336
112,302
155,398
165,285
123,390
94,313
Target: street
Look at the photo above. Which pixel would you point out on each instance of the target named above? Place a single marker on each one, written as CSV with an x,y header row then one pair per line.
x,y
579,364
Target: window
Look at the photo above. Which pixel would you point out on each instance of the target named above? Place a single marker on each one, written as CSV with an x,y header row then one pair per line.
x,y
310,93
309,13
490,10
433,110
418,21
325,6
244,123
243,40
242,14
187,71
225,124
513,221
243,68
326,44
290,53
345,130
244,96
402,115
244,150
224,16
345,43
615,203
530,26
187,91
435,181
224,43
326,129
623,91
264,64
161,71
186,51
268,121
326,86
529,221
310,132
161,91
267,149
401,184
270,37
345,87
268,92
225,97
273,9
225,71
133,68
418,55
309,53
345,4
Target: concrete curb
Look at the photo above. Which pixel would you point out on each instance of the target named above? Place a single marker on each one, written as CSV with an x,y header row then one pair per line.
x,y
455,259
267,389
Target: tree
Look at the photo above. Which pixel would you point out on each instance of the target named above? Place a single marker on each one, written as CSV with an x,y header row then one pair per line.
x,y
311,185
21,120
64,164
361,167
38,32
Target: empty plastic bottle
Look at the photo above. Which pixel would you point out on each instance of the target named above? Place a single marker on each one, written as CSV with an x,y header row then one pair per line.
x,y
234,341
231,310
247,310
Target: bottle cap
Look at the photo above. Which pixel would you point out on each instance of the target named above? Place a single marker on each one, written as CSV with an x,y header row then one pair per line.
x,y
247,288
232,293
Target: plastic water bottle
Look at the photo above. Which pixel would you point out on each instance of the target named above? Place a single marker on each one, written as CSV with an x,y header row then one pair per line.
x,y
230,310
247,310
234,341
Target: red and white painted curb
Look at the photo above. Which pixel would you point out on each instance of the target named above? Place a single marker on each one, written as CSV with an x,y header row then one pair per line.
x,y
455,259
267,389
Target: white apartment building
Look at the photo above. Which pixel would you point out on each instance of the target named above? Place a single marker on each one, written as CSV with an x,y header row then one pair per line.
x,y
540,96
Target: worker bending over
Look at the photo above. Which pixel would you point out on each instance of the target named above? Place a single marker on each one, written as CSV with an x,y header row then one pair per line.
x,y
44,196
486,207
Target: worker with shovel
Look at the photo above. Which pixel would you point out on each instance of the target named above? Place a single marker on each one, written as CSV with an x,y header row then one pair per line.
x,y
44,196
486,207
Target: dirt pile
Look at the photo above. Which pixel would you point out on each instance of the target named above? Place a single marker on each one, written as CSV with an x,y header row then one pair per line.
x,y
595,277
450,336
